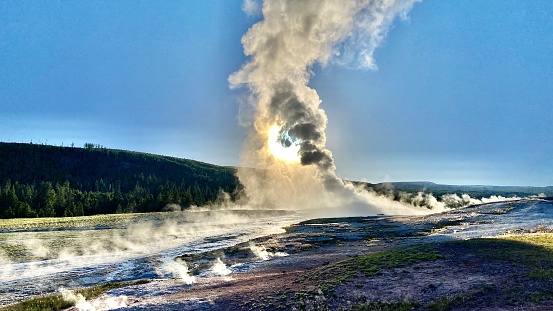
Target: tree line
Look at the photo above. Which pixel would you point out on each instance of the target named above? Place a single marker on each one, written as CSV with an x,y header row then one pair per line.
x,y
150,194
50,181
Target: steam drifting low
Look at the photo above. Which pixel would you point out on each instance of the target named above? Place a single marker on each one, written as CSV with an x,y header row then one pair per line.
x,y
287,142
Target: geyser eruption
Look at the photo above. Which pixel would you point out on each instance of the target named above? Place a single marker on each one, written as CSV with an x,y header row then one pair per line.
x,y
287,143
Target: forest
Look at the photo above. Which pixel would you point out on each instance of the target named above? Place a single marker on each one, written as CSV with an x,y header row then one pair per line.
x,y
51,181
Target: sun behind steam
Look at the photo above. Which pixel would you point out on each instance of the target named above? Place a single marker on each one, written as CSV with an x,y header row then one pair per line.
x,y
287,141
283,146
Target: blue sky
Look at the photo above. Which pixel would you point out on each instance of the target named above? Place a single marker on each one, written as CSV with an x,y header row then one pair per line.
x,y
462,95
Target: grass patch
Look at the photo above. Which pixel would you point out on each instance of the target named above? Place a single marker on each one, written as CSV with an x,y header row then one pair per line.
x,y
14,251
369,265
65,222
449,302
386,306
530,251
531,256
56,302
49,303
446,303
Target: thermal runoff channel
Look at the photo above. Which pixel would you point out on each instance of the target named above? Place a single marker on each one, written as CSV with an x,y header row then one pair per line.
x,y
287,142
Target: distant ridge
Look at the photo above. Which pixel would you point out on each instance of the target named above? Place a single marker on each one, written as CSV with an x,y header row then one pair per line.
x,y
473,190
25,163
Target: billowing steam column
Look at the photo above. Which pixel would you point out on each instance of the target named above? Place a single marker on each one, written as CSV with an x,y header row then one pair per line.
x,y
299,124
287,139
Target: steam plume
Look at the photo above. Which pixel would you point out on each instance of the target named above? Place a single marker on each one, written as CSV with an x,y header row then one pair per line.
x,y
251,7
262,253
219,268
288,140
104,302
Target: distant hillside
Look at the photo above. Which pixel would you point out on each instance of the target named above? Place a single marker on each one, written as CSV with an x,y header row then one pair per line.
x,y
42,180
475,191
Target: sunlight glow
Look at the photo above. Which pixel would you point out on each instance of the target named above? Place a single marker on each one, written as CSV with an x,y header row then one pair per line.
x,y
278,150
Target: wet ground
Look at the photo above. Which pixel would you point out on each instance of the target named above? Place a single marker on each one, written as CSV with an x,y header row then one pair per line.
x,y
292,270
260,267
43,260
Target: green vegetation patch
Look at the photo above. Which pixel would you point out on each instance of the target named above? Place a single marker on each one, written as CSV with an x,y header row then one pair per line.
x,y
14,251
56,302
531,251
66,222
346,270
449,302
386,306
529,255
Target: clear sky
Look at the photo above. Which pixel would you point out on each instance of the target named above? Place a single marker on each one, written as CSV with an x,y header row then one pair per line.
x,y
463,93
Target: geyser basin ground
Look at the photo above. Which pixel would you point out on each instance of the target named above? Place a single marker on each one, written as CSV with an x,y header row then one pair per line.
x,y
436,262
42,256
